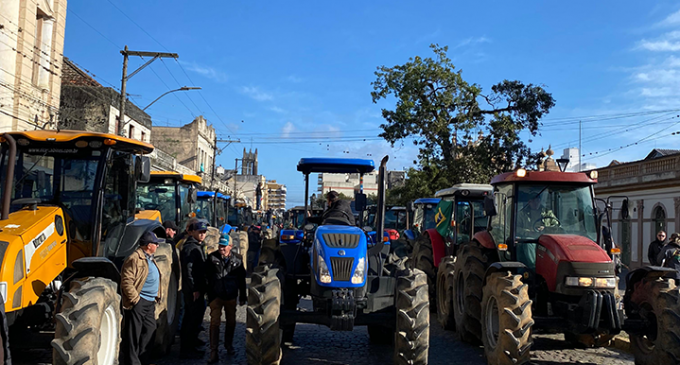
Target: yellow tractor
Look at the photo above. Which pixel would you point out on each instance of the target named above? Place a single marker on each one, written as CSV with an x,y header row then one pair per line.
x,y
66,226
168,195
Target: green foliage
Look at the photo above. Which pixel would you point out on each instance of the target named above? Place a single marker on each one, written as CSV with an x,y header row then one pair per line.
x,y
462,134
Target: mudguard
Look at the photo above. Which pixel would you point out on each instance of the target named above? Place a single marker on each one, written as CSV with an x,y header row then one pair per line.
x,y
438,245
485,240
512,266
130,240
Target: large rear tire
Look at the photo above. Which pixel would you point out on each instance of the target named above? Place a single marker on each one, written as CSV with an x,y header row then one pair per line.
x,y
412,334
263,338
506,320
658,302
423,259
88,326
167,311
468,278
445,293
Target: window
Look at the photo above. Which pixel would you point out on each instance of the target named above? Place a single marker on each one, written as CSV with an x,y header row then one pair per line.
x,y
659,219
143,136
501,222
624,243
131,134
37,45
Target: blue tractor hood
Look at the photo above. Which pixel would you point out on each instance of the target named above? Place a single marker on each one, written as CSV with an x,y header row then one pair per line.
x,y
341,248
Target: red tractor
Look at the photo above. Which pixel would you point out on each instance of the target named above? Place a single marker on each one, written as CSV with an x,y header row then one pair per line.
x,y
539,266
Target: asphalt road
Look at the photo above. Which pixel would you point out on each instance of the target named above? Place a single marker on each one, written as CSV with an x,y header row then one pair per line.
x,y
317,345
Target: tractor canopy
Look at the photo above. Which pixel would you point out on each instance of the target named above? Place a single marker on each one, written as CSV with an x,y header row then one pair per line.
x,y
335,165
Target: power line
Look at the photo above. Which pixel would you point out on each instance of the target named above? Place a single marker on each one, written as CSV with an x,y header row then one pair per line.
x,y
93,28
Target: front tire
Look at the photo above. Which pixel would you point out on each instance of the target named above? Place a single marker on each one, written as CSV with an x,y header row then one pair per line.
x,y
88,326
506,320
423,259
445,293
263,338
468,278
658,303
167,312
412,334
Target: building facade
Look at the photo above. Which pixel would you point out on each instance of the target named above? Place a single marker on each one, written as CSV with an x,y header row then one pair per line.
x,y
86,105
652,187
31,47
276,195
193,145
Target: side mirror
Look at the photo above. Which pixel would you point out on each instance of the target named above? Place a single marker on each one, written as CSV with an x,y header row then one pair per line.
x,y
625,213
489,206
368,229
360,202
192,196
143,169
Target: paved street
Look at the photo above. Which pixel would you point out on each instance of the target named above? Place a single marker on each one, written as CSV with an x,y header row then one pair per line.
x,y
315,345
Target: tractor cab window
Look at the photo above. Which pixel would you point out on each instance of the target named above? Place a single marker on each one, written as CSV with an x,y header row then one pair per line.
x,y
429,211
395,219
158,195
555,209
221,212
204,209
500,224
470,219
118,201
185,207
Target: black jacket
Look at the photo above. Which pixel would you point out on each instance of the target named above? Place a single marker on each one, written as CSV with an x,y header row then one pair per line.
x,y
655,248
192,258
670,254
339,213
226,278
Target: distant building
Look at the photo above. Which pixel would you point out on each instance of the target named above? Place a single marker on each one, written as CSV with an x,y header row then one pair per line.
x,y
276,195
193,145
574,157
652,186
348,184
31,47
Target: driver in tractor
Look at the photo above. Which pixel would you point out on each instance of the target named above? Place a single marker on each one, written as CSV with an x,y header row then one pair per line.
x,y
339,212
534,218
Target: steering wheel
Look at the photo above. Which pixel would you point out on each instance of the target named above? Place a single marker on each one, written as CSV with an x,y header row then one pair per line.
x,y
538,225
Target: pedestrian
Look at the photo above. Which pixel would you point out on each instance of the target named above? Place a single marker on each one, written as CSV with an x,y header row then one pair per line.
x,y
180,238
254,244
655,247
140,289
193,288
171,229
670,256
226,282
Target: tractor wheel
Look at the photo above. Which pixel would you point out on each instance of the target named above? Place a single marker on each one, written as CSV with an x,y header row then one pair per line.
x,y
468,278
659,305
167,312
88,327
212,240
422,258
445,293
263,338
506,320
412,334
380,335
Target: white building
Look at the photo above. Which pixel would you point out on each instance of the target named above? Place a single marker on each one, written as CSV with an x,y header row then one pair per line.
x,y
652,186
347,184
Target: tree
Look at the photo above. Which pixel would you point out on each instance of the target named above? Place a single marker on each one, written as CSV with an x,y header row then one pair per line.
x,y
443,113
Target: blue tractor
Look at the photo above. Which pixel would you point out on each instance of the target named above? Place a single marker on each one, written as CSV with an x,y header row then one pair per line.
x,y
351,277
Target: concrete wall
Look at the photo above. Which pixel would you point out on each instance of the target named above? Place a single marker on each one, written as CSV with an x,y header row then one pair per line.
x,y
31,47
190,144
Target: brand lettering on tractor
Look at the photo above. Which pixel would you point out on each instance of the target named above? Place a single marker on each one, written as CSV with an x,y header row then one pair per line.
x,y
31,247
47,250
39,240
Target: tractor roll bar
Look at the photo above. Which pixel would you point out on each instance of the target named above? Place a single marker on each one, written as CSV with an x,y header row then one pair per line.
x,y
9,176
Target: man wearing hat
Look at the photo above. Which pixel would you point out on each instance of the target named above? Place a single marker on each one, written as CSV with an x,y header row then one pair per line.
x,y
339,211
226,282
194,284
140,289
171,229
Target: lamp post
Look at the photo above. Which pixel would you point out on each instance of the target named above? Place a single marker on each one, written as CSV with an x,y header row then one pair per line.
x,y
183,88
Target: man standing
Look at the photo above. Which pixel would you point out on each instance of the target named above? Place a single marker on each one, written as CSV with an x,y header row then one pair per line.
x,y
226,282
655,248
193,288
171,229
254,244
670,256
139,283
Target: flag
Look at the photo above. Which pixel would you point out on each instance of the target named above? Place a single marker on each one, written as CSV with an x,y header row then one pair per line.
x,y
442,218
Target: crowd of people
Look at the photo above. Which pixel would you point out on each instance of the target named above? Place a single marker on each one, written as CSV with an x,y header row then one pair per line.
x,y
219,277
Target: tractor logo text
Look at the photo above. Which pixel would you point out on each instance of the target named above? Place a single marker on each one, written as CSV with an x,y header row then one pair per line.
x,y
39,240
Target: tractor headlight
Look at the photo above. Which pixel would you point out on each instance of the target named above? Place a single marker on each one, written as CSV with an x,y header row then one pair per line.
x,y
324,274
3,291
582,282
605,283
358,276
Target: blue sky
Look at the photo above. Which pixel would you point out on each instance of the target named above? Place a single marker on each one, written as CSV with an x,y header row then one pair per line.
x,y
277,72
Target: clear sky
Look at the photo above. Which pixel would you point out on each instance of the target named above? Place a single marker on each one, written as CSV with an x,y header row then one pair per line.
x,y
275,74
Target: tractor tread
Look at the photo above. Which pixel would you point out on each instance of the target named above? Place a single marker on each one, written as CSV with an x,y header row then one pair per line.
x,y
412,333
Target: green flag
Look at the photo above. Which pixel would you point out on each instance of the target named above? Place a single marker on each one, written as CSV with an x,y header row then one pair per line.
x,y
442,217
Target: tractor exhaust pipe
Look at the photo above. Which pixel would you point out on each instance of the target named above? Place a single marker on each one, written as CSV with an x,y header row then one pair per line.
x,y
380,212
9,176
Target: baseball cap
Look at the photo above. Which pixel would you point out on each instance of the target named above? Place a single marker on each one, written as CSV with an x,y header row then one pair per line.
x,y
150,237
200,226
171,225
225,240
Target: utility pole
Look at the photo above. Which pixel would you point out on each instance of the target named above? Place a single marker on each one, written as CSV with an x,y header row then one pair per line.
x,y
123,96
217,152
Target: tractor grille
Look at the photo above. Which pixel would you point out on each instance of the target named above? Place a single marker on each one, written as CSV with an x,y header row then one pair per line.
x,y
342,268
341,240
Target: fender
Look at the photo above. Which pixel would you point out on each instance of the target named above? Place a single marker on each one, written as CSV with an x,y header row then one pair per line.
x,y
512,266
651,272
438,245
485,240
100,267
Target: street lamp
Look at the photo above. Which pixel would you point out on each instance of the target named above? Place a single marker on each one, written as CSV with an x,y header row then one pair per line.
x,y
183,88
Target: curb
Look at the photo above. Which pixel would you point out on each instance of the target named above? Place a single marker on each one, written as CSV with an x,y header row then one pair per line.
x,y
621,342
